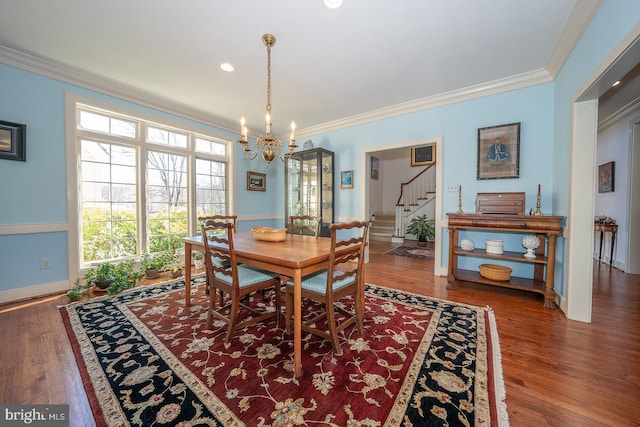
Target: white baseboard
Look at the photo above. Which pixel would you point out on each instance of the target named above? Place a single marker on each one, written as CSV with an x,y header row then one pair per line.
x,y
33,291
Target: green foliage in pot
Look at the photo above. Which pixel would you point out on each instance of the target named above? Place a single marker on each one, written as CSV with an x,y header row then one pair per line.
x,y
122,276
424,229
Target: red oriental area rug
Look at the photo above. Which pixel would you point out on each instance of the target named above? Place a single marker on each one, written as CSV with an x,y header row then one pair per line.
x,y
146,359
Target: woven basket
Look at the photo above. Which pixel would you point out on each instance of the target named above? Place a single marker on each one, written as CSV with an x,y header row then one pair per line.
x,y
495,272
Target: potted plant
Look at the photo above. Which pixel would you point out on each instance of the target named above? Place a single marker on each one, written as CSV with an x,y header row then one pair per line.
x,y
102,276
150,265
422,228
112,277
198,259
175,267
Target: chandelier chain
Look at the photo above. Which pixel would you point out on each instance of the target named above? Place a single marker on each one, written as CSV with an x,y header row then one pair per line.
x,y
269,78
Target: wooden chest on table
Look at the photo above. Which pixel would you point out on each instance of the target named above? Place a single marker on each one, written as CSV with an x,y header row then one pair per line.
x,y
500,203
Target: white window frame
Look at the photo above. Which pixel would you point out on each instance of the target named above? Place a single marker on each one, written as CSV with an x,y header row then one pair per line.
x,y
73,102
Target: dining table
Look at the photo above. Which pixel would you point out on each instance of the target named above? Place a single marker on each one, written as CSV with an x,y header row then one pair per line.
x,y
295,257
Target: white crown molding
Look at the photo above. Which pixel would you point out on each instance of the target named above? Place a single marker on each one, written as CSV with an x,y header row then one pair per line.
x,y
577,23
67,74
89,81
472,92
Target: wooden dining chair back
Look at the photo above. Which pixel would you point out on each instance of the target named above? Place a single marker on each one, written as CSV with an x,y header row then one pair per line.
x,y
305,224
236,281
343,277
232,219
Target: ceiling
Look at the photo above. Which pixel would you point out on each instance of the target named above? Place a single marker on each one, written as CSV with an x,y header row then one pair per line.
x,y
366,58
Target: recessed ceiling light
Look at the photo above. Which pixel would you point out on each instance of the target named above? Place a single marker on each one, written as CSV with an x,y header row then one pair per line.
x,y
616,83
333,4
227,67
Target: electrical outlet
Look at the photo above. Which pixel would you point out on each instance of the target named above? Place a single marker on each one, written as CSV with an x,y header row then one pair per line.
x,y
44,264
452,188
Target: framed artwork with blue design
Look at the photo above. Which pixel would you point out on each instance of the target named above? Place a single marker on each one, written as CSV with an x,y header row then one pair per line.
x,y
499,152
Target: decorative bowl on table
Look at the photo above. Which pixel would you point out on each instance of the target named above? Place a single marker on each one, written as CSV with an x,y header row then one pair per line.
x,y
531,243
494,247
467,245
495,272
269,234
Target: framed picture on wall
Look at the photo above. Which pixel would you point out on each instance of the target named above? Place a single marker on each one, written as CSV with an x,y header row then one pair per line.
x,y
346,179
423,156
606,177
256,181
375,167
499,152
13,137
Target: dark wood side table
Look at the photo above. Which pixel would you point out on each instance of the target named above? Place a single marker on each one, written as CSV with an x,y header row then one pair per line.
x,y
606,228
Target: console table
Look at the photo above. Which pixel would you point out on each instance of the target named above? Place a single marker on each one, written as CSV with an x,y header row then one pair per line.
x,y
547,228
606,228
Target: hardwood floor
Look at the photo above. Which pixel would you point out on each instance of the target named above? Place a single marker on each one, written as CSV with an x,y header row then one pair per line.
x,y
557,372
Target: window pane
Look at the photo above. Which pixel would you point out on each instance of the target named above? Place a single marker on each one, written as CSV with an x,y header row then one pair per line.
x,y
210,187
168,184
107,124
163,136
108,210
93,121
211,147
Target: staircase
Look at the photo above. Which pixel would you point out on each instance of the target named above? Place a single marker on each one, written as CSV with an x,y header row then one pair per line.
x,y
417,197
382,228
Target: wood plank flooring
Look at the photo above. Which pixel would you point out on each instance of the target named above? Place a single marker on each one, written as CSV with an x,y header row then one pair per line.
x,y
557,372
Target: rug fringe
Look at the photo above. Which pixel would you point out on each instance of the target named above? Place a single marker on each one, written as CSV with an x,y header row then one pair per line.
x,y
501,392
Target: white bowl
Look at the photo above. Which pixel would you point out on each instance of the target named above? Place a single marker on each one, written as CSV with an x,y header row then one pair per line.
x,y
494,247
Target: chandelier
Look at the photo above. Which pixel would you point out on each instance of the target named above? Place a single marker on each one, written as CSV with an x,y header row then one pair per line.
x,y
267,145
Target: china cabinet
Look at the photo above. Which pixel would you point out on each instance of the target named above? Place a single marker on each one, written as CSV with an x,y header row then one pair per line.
x,y
309,183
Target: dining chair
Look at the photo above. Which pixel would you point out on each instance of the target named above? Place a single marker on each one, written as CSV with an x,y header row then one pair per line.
x,y
343,277
206,220
305,224
237,281
233,219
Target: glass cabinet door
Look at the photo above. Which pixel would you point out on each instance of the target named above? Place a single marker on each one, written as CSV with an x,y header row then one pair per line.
x,y
309,186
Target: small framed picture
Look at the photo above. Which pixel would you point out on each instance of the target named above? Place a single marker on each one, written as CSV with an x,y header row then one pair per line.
x,y
606,177
375,167
13,137
499,151
346,179
256,181
423,156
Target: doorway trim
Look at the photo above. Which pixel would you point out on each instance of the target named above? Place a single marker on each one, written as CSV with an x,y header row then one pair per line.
x,y
439,270
582,160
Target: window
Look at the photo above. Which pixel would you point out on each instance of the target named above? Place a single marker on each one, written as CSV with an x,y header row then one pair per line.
x,y
134,180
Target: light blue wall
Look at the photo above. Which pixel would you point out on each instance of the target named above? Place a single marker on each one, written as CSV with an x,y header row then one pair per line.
x,y
35,191
458,125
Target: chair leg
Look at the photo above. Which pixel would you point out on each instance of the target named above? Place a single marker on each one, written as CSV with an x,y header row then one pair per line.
x,y
212,304
233,318
333,332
